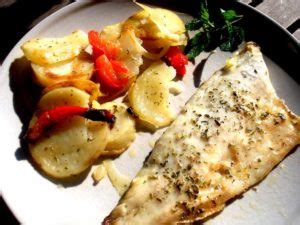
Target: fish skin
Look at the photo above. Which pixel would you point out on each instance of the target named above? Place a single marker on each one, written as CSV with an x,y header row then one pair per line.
x,y
232,132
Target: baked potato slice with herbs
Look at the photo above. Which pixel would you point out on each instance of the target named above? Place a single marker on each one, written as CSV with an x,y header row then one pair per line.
x,y
48,51
81,67
123,132
157,24
69,147
149,96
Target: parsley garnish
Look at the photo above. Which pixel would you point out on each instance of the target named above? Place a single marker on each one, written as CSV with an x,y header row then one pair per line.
x,y
215,28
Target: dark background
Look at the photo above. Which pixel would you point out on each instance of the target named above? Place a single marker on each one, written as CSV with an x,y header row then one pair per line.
x,y
17,18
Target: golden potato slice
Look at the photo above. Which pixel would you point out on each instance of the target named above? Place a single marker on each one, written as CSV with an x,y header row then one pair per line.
x,y
167,22
63,96
99,173
72,146
132,51
45,51
112,32
130,44
123,132
149,95
158,24
157,54
159,29
93,89
81,67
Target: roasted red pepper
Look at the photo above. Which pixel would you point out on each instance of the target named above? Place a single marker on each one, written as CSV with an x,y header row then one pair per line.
x,y
110,71
101,46
119,67
59,114
177,59
106,74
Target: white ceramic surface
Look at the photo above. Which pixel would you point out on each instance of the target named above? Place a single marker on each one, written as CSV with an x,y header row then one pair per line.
x,y
36,200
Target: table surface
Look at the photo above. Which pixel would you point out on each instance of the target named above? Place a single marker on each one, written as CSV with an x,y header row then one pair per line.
x,y
285,12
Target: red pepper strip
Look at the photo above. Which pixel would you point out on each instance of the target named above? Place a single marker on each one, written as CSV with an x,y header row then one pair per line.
x,y
119,67
106,74
101,46
59,114
181,70
177,59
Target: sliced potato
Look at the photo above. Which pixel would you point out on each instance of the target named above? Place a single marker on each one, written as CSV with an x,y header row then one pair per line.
x,y
81,67
167,22
112,32
72,146
63,96
88,86
130,43
132,51
123,132
45,51
158,24
158,28
175,88
99,173
157,53
149,95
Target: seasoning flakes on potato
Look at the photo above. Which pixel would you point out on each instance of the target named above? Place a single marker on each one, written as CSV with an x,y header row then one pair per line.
x,y
149,95
81,67
157,25
47,51
123,132
69,147
123,58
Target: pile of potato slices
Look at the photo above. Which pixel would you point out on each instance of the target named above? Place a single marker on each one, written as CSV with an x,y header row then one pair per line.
x,y
66,68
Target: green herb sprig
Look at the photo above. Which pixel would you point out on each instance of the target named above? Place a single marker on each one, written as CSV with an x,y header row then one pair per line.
x,y
215,28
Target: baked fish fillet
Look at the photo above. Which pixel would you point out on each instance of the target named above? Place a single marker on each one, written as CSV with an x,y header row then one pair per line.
x,y
229,136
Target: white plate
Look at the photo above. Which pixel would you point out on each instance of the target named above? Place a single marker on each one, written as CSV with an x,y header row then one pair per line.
x,y
36,200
